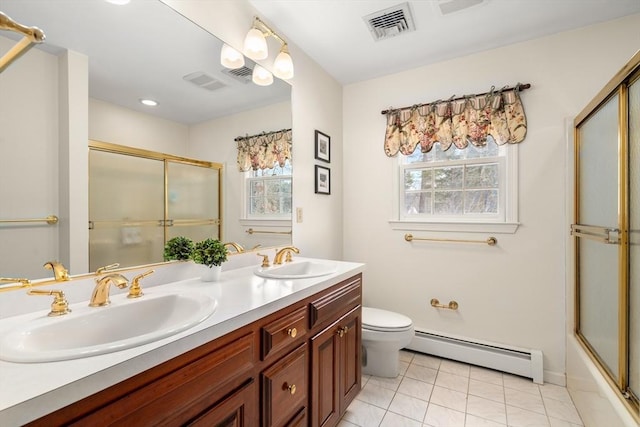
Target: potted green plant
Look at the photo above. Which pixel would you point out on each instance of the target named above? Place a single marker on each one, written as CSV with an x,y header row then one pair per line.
x,y
178,248
212,253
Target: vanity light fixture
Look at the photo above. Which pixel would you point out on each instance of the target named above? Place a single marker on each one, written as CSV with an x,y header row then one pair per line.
x,y
255,47
118,2
149,102
261,76
231,58
283,65
255,44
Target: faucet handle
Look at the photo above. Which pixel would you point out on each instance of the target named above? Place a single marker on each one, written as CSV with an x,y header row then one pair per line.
x,y
59,306
107,268
288,257
265,260
135,291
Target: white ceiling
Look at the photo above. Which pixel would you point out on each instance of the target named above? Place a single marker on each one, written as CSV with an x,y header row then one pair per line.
x,y
334,33
143,50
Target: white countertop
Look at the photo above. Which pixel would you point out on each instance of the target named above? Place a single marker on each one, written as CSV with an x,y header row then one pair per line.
x,y
31,390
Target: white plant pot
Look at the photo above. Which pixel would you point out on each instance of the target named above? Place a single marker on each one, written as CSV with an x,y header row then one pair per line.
x,y
211,274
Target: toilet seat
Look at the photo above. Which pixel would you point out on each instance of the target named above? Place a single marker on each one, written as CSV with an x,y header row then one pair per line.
x,y
375,319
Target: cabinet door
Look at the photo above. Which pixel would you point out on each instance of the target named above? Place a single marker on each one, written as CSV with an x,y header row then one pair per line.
x,y
336,368
324,402
350,357
238,410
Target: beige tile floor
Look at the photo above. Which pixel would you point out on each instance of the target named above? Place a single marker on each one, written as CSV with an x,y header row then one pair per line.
x,y
434,392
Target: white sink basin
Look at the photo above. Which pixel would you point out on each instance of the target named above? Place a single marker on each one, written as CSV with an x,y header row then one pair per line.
x,y
297,270
91,331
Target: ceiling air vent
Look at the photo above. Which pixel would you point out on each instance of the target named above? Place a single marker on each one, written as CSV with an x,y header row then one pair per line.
x,y
451,6
242,74
204,81
390,22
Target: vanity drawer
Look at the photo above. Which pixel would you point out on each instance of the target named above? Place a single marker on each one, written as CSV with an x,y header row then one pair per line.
x,y
184,393
331,305
299,420
284,388
284,332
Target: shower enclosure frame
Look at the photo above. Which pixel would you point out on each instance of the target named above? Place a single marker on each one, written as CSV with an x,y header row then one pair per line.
x,y
619,235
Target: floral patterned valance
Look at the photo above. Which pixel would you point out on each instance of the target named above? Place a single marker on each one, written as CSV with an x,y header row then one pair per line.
x,y
498,114
264,151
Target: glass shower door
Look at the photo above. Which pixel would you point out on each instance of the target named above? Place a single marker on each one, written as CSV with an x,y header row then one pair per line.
x,y
193,208
597,234
126,210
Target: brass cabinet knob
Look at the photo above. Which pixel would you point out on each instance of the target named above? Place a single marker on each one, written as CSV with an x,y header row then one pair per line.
x,y
292,332
342,331
291,388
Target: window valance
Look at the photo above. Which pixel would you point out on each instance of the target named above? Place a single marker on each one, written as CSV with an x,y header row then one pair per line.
x,y
498,114
264,150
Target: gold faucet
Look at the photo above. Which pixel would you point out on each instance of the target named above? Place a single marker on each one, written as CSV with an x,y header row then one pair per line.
x,y
235,245
286,250
59,272
135,291
100,296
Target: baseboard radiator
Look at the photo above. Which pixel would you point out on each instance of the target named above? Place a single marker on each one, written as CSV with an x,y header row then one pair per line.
x,y
518,361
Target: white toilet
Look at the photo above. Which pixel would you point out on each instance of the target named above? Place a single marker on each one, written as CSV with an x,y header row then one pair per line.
x,y
384,333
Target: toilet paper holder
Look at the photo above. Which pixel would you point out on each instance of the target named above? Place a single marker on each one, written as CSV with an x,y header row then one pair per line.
x,y
453,305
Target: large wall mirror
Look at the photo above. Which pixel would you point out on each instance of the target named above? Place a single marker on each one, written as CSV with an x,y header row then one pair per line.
x,y
140,50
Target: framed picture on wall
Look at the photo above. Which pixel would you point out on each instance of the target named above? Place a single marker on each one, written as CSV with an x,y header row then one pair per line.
x,y
323,180
323,147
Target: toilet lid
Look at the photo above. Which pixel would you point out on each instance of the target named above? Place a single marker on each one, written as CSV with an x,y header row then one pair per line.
x,y
383,320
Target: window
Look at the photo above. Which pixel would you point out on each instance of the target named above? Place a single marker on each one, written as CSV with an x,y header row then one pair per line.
x,y
474,186
268,193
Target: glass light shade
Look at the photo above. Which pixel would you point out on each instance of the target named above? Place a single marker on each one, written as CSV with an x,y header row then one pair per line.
x,y
261,77
231,58
255,45
283,66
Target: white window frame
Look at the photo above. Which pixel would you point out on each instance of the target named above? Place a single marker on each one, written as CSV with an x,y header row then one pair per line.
x,y
506,222
248,219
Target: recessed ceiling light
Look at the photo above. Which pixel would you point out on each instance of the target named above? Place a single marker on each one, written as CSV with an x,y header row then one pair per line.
x,y
118,2
149,102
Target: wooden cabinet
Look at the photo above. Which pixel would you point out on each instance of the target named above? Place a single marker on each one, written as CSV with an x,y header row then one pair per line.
x,y
335,368
296,367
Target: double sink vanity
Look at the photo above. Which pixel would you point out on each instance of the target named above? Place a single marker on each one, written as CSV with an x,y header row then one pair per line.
x,y
264,346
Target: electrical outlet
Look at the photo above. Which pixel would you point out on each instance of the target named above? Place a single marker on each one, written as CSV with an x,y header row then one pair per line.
x,y
298,214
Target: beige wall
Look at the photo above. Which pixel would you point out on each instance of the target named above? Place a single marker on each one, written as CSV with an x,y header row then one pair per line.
x,y
117,125
514,293
28,161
